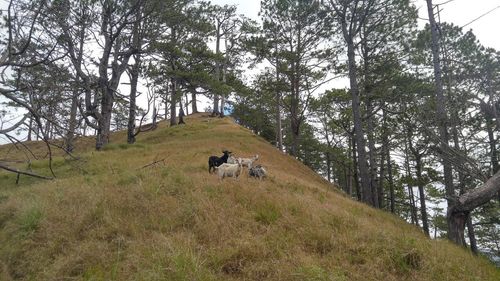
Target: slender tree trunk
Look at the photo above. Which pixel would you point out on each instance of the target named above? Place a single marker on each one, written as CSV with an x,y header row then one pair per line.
x,y
472,236
279,132
134,78
223,97
30,128
420,183
181,112
72,122
372,159
216,110
411,196
155,114
442,119
194,108
391,183
328,166
355,169
492,143
380,186
358,126
173,102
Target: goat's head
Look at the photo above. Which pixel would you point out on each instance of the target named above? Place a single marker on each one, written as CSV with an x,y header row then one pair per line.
x,y
226,152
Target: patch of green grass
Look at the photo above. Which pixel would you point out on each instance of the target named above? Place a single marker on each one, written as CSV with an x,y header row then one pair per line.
x,y
319,241
123,146
188,266
29,220
267,213
127,180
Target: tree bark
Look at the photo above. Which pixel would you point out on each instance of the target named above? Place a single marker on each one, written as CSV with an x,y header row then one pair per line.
x,y
472,236
216,110
134,78
181,112
442,119
466,203
365,185
173,102
391,183
420,183
72,122
194,108
279,132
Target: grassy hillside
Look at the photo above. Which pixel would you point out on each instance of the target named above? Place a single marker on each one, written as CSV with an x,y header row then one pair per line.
x,y
106,218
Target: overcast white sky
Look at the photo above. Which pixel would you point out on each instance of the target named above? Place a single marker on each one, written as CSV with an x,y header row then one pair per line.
x,y
459,12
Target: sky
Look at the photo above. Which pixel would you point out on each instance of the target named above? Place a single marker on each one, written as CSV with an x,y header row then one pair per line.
x,y
459,12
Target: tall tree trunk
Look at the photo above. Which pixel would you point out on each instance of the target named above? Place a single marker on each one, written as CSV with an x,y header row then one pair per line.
x,y
380,186
391,183
216,110
372,157
328,166
194,108
411,196
181,111
279,132
359,136
72,122
173,102
355,168
223,97
420,183
492,143
134,78
30,128
472,236
442,119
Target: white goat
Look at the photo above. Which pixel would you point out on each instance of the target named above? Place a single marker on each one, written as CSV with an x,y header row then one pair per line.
x,y
232,160
248,162
229,170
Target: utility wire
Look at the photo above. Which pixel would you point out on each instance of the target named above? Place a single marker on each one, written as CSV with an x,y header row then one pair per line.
x,y
446,2
480,17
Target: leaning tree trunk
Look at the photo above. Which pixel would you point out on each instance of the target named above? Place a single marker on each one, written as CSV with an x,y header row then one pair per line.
x,y
466,203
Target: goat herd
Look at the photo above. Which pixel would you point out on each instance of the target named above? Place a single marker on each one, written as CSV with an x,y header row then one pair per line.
x,y
230,166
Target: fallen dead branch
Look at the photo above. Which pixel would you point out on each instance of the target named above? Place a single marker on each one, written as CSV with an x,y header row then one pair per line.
x,y
19,172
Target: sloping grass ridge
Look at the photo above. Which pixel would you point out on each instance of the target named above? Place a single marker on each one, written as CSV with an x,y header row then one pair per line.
x,y
107,218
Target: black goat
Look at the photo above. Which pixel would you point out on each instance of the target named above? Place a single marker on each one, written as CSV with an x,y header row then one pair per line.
x,y
214,161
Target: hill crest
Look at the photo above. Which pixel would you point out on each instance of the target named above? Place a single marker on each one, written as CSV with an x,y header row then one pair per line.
x,y
109,216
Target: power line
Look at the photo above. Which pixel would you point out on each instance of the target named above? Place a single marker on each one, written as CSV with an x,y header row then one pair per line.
x,y
480,17
446,2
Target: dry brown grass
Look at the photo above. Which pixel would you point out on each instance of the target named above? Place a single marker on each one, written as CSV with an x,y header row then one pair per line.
x,y
110,220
